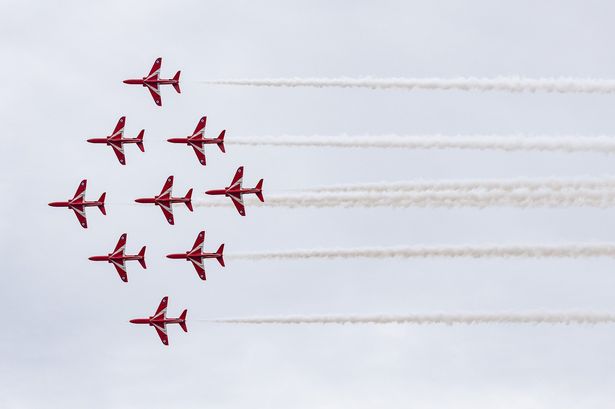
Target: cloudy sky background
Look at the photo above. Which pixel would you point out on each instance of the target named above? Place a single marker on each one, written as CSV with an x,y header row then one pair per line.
x,y
66,341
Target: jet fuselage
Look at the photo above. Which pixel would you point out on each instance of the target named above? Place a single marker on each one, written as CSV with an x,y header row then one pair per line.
x,y
157,200
71,204
232,192
188,255
110,257
160,321
144,81
110,141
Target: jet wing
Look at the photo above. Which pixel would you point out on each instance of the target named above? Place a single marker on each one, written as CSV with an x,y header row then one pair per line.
x,y
238,202
161,329
167,210
118,132
80,193
200,152
238,179
155,71
162,308
167,189
154,89
198,266
121,269
121,245
198,243
80,213
118,148
200,127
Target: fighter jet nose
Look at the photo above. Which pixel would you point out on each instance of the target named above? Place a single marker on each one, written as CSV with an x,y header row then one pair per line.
x,y
132,321
209,192
91,258
126,81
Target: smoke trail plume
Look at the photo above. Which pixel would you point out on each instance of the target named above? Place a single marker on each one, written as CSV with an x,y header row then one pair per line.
x,y
486,185
603,144
478,251
435,319
583,198
508,84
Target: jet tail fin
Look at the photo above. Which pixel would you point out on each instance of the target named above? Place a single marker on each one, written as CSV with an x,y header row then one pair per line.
x,y
221,143
142,259
189,202
183,321
220,258
259,188
101,206
140,138
176,85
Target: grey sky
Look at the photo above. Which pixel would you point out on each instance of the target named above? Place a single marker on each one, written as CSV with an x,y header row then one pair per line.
x,y
66,341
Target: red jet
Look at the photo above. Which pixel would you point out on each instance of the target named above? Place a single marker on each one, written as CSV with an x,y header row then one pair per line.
x,y
197,140
116,140
118,258
196,255
236,192
78,204
152,82
159,321
165,200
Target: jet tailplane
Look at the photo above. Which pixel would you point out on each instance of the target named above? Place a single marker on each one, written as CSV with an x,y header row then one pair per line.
x,y
189,202
140,138
221,143
176,85
259,188
101,206
142,259
183,321
220,258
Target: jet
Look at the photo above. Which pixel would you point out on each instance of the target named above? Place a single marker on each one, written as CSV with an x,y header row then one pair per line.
x,y
197,140
118,258
78,204
165,200
152,82
159,321
196,255
236,192
117,141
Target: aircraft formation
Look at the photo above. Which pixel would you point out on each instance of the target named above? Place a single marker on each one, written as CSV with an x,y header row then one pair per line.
x,y
164,200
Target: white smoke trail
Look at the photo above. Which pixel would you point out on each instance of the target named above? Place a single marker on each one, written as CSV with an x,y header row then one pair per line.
x,y
479,251
508,84
556,185
580,198
435,319
603,144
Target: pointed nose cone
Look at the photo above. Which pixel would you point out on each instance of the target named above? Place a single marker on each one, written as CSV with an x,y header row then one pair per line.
x,y
91,140
91,258
210,192
126,81
133,321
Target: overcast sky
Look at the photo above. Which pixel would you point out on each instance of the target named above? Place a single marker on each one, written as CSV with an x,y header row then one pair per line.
x,y
66,341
